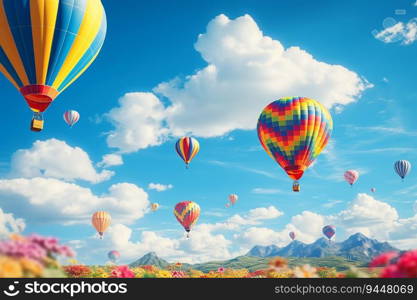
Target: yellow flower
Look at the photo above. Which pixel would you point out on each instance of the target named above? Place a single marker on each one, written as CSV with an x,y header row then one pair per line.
x,y
139,272
196,274
163,274
32,267
305,271
16,237
10,268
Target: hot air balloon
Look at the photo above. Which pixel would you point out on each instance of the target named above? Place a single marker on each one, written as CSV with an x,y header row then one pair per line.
x,y
114,256
46,45
402,167
154,206
101,221
228,205
233,198
294,131
329,231
187,213
292,235
373,190
187,148
71,117
351,176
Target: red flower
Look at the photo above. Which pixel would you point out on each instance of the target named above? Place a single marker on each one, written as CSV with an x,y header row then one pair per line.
x,y
392,271
178,274
407,264
220,270
122,272
383,259
77,271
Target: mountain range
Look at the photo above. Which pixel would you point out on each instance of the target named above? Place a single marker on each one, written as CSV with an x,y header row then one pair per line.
x,y
357,247
356,250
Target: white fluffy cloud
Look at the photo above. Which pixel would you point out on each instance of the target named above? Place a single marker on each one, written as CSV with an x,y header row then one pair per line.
x,y
52,200
56,159
160,187
10,224
405,33
261,236
138,122
245,71
255,216
111,160
367,215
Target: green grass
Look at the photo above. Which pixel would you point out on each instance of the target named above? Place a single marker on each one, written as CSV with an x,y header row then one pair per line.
x,y
256,263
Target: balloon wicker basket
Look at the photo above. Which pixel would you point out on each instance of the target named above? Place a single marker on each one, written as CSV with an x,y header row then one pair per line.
x,y
36,125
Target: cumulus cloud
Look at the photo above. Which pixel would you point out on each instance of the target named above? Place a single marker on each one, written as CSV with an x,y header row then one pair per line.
x,y
160,187
10,224
203,246
245,71
110,160
405,33
255,216
138,121
53,200
56,159
369,216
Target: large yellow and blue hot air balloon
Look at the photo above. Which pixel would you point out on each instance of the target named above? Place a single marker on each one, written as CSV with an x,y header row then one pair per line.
x,y
45,45
293,131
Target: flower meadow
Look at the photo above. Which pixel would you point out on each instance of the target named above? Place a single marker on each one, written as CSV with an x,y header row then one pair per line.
x,y
35,256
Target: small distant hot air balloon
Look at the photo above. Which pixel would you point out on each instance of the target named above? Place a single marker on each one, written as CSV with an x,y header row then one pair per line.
x,y
351,176
228,205
294,131
329,231
292,235
154,206
402,167
101,221
187,214
373,190
187,148
71,117
46,45
233,198
114,256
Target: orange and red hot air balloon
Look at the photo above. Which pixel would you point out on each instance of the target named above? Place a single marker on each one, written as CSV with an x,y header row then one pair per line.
x,y
187,148
294,131
187,214
101,220
45,45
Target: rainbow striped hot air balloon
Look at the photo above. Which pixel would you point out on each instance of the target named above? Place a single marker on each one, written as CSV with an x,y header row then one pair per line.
x,y
45,45
101,220
187,148
71,117
187,214
294,131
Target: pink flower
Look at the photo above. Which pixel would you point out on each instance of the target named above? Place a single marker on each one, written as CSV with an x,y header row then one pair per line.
x,y
383,259
122,272
220,270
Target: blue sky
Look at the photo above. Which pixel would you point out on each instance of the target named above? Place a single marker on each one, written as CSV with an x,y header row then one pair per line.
x,y
156,79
